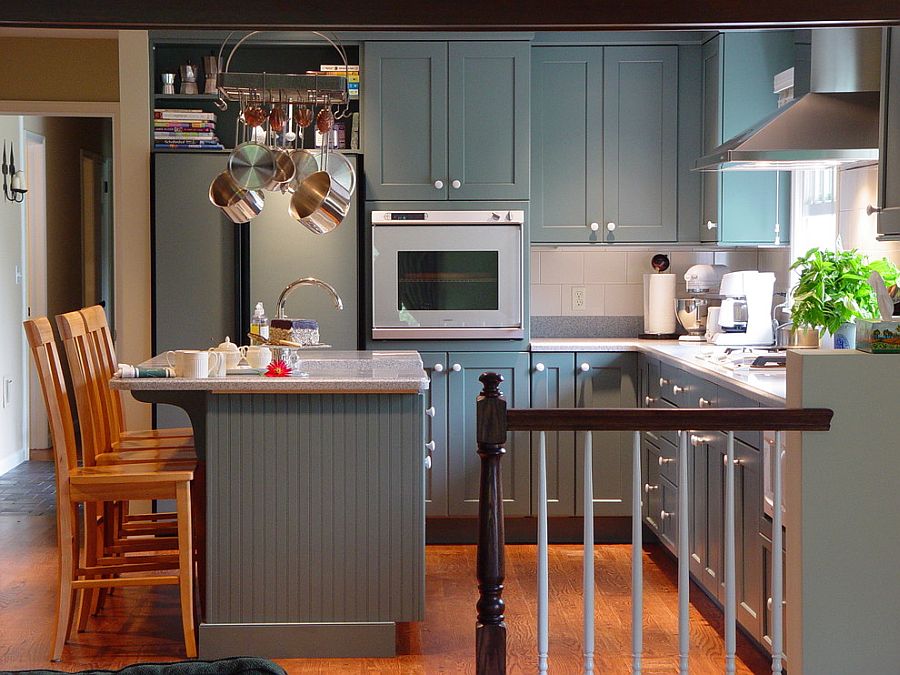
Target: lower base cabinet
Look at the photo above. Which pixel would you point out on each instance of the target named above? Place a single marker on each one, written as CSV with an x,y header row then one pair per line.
x,y
764,546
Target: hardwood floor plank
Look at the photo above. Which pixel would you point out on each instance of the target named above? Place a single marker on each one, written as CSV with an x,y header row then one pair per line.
x,y
143,624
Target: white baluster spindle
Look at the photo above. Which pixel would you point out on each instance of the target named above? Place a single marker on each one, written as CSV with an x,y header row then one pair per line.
x,y
777,564
637,570
588,553
543,630
684,590
730,591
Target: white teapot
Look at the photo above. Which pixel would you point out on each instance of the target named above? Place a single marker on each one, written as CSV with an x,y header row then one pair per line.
x,y
229,351
258,356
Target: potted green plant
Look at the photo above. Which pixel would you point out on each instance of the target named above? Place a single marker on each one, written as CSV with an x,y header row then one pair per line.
x,y
833,291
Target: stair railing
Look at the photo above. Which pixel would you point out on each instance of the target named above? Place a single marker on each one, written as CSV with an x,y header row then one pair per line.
x,y
494,420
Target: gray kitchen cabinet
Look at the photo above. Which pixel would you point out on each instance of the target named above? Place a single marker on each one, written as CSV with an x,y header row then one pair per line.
x,y
606,380
463,461
405,120
764,545
553,386
436,412
668,515
612,158
889,143
447,120
640,143
488,120
742,207
748,556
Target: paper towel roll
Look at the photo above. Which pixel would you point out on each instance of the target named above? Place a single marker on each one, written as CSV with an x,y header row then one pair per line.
x,y
659,303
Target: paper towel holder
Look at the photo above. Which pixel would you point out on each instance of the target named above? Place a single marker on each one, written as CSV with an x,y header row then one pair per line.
x,y
660,263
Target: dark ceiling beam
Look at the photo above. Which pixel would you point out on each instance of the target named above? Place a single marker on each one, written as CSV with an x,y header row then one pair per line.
x,y
467,15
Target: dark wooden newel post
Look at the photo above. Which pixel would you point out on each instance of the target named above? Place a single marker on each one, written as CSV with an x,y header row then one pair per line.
x,y
490,629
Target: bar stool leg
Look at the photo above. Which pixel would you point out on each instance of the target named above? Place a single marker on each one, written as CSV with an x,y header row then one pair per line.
x,y
186,567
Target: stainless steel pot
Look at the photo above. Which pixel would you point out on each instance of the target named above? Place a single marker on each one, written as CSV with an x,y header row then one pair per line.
x,y
252,165
238,204
284,170
320,203
788,337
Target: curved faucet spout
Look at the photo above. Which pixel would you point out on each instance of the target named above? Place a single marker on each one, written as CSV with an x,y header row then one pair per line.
x,y
307,281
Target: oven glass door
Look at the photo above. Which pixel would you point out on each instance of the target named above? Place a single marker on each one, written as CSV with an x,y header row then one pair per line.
x,y
447,276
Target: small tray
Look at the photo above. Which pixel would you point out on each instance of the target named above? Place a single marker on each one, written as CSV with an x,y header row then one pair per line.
x,y
244,370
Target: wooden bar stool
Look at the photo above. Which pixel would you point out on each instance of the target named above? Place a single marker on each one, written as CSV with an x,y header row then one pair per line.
x,y
101,339
102,484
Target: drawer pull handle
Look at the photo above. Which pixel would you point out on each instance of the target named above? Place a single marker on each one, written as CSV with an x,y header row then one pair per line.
x,y
703,403
649,488
663,382
540,367
649,400
769,604
665,460
737,462
665,514
678,390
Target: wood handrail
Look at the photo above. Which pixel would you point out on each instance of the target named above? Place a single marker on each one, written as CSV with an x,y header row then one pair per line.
x,y
668,419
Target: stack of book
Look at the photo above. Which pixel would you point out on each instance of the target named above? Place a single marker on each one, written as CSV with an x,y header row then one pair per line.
x,y
180,129
351,72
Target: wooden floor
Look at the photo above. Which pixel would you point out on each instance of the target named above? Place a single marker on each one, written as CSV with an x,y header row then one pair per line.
x,y
143,624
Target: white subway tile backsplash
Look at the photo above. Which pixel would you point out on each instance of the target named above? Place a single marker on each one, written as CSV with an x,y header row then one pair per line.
x,y
624,299
546,300
535,267
562,267
638,264
607,267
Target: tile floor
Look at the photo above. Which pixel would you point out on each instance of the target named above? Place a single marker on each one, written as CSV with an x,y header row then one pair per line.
x,y
29,489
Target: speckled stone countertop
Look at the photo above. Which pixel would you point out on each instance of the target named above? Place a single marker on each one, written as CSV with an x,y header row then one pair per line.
x,y
378,372
767,387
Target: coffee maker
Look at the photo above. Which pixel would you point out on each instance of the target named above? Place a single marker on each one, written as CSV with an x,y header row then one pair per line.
x,y
745,315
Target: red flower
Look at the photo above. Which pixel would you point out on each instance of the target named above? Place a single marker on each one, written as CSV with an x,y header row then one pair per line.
x,y
278,369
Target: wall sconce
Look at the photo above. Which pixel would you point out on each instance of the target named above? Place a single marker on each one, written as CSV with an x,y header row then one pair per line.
x,y
15,189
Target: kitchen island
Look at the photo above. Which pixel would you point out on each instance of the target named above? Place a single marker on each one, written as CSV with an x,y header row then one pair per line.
x,y
315,511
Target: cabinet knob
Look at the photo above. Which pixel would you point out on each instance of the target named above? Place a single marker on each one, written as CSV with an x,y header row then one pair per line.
x,y
678,390
430,446
648,401
438,185
650,488
456,367
703,403
438,367
584,367
539,367
872,209
430,411
665,514
594,227
665,460
737,462
611,227
710,225
769,603
696,440
663,382
455,184
427,463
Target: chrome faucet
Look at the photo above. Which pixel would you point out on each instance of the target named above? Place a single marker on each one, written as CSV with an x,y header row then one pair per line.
x,y
307,281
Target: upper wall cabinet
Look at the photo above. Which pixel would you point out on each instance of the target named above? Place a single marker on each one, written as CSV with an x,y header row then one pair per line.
x,y
889,147
742,207
446,120
604,151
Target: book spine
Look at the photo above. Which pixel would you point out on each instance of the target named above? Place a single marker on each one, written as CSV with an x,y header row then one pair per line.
x,y
184,116
338,67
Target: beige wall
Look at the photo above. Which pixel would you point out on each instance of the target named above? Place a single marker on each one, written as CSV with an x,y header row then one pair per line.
x,y
54,69
65,138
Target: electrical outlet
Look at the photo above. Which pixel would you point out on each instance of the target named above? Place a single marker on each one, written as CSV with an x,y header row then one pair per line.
x,y
578,298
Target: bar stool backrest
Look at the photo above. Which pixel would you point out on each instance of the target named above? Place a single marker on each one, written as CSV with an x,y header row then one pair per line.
x,y
105,354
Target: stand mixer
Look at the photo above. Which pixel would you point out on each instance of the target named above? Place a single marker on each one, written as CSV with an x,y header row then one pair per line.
x,y
702,283
745,316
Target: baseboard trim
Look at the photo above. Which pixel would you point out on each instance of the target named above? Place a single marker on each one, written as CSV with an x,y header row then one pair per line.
x,y
13,460
40,455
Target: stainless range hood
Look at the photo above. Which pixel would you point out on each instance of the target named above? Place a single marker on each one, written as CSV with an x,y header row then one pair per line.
x,y
835,124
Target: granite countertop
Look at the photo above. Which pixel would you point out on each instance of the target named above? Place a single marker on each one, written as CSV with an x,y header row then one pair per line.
x,y
767,387
323,371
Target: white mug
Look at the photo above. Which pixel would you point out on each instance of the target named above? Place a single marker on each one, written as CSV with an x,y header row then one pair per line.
x,y
258,356
195,364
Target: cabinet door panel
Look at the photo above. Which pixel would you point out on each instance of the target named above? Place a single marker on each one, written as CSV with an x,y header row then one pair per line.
x,y
668,515
609,382
712,137
554,387
464,463
889,146
640,143
436,432
566,143
488,120
406,120
748,563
